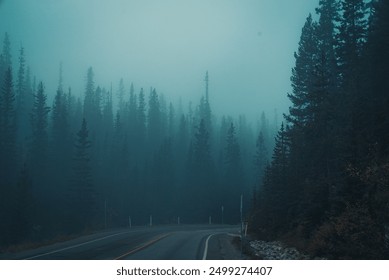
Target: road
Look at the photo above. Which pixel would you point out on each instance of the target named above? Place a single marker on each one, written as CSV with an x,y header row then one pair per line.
x,y
180,242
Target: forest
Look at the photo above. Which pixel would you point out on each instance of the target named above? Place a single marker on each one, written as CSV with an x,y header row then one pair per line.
x,y
326,190
77,162
105,159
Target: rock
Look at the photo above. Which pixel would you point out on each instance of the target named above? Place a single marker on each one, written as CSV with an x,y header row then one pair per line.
x,y
275,250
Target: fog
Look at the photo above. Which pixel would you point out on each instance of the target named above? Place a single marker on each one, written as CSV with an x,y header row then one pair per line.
x,y
146,138
247,46
92,157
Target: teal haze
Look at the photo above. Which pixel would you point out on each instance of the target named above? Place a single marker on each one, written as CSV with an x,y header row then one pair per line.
x,y
246,45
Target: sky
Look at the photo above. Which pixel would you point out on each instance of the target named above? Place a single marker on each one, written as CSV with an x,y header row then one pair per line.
x,y
246,45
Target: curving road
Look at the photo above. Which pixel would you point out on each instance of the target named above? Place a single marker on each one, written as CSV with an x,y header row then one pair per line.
x,y
183,242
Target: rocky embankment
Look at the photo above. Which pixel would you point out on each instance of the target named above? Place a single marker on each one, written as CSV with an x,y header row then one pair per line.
x,y
275,251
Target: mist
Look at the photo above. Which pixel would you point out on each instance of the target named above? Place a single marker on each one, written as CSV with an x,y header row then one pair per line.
x,y
247,47
190,119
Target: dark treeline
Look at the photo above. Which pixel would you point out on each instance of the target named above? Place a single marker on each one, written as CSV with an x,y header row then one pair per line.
x,y
84,163
327,188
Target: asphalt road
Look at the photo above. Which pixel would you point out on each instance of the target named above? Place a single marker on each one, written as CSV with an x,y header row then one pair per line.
x,y
180,242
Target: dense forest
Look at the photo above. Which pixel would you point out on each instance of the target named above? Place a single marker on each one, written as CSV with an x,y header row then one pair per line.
x,y
76,162
326,190
106,158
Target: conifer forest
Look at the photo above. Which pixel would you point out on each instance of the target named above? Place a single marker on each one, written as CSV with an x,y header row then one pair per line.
x,y
315,176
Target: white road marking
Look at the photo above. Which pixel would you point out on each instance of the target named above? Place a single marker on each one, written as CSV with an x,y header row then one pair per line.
x,y
206,246
209,237
77,245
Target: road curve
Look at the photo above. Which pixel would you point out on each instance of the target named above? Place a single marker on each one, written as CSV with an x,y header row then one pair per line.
x,y
180,242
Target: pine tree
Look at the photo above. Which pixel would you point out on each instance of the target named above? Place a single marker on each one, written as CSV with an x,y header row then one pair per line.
x,y
59,119
7,129
232,151
233,182
107,112
140,132
39,124
302,76
163,191
201,172
205,107
171,121
260,158
121,96
154,121
280,158
132,114
351,39
92,104
22,214
21,98
82,193
60,140
7,57
376,113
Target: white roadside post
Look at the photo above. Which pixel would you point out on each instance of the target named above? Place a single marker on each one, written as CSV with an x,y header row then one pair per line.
x,y
222,215
241,225
105,214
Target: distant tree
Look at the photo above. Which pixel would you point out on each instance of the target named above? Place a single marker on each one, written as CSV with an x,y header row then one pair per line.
x,y
141,117
280,158
39,124
59,118
132,115
171,121
21,96
2,69
204,109
92,103
163,193
261,158
233,177
7,57
7,129
202,155
121,96
201,173
107,112
232,152
154,121
23,208
60,143
82,193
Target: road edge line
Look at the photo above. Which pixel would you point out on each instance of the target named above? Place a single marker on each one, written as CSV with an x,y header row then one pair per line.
x,y
206,245
73,246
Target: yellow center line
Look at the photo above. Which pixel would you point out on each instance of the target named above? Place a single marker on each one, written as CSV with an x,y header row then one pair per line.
x,y
143,246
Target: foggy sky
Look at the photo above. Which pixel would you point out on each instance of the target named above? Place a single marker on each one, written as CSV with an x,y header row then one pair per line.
x,y
246,45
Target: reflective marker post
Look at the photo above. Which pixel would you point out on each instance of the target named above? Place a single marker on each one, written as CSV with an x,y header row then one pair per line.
x,y
105,213
241,225
222,215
